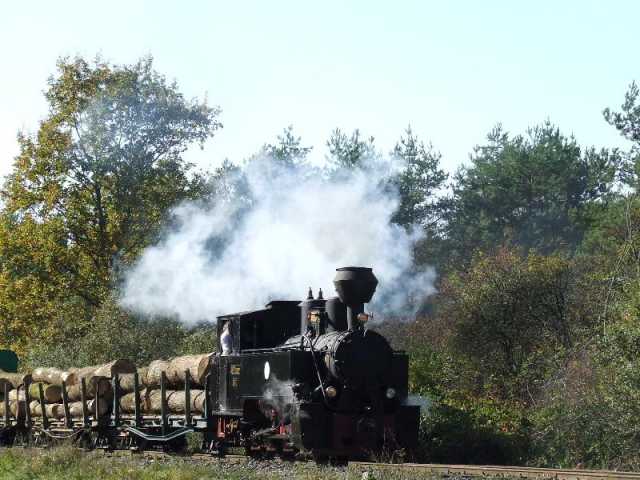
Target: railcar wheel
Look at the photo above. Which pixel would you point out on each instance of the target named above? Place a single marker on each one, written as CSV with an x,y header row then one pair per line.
x,y
83,440
176,445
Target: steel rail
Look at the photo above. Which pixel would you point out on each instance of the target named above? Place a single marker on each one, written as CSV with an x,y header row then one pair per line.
x,y
499,471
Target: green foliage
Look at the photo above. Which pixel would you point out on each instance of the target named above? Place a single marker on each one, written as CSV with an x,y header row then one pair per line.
x,y
627,122
198,339
288,150
89,190
64,463
589,414
537,191
418,182
450,434
529,350
510,312
115,333
348,153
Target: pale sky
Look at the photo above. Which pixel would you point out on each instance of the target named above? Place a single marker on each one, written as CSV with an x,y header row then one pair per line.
x,y
451,69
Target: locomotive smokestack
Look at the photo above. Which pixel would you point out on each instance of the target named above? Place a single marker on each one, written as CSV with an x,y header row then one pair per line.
x,y
355,287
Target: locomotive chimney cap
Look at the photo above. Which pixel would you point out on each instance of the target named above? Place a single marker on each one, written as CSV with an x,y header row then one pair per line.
x,y
355,285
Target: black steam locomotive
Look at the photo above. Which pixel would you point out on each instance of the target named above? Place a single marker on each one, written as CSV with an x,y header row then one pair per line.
x,y
300,378
310,376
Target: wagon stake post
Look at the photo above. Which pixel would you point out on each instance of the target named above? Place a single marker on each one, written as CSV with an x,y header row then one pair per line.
x,y
65,403
187,398
45,419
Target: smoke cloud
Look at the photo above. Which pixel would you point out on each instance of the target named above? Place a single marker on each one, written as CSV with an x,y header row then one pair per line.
x,y
296,230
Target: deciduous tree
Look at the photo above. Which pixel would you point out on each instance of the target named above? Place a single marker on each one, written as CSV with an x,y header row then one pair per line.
x,y
88,191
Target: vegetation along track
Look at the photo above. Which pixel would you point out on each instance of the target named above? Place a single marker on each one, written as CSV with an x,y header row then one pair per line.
x,y
415,469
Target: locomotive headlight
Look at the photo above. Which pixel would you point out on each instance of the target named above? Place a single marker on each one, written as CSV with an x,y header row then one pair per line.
x,y
331,392
363,317
391,393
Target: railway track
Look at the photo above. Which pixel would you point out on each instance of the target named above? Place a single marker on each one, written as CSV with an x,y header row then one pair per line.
x,y
447,470
495,471
408,470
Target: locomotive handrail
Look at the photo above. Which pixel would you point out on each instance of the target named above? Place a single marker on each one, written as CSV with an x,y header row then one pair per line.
x,y
315,365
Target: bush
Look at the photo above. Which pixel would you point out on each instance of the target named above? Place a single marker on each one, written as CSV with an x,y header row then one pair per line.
x,y
116,333
454,435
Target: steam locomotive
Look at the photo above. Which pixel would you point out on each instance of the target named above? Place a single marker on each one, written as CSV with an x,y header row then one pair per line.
x,y
302,378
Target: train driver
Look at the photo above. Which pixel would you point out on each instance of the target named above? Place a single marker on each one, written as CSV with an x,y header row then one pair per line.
x,y
226,340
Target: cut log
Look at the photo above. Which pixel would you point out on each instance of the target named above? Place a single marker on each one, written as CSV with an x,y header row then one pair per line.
x,y
18,409
53,376
108,370
52,393
126,380
128,402
13,395
177,403
197,365
75,408
15,379
101,385
118,366
154,370
155,400
54,410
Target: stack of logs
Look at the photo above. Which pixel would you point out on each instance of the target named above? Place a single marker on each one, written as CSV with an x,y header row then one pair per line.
x,y
98,380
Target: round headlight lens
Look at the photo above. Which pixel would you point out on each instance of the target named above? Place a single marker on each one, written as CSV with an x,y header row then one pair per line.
x,y
391,393
331,392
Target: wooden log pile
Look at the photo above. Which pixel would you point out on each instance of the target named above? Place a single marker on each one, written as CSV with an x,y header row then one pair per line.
x,y
151,401
98,382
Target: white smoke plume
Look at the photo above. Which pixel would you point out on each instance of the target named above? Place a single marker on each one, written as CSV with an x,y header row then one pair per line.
x,y
299,228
